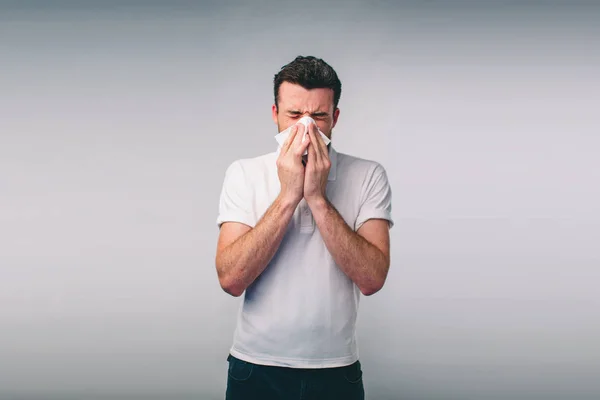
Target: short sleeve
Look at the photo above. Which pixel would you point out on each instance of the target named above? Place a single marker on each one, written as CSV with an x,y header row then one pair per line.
x,y
376,203
235,203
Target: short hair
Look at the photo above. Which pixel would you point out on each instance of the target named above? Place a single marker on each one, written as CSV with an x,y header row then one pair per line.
x,y
310,73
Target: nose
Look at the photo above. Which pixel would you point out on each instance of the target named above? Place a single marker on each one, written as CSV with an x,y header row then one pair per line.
x,y
307,115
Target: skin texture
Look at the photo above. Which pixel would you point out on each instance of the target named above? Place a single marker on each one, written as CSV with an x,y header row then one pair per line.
x,y
244,252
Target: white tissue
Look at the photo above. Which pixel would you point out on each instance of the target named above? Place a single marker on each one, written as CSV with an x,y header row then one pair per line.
x,y
282,136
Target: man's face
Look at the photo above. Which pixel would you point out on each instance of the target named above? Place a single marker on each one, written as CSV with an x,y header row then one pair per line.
x,y
296,102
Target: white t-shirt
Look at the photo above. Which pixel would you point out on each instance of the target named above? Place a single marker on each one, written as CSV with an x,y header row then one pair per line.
x,y
301,311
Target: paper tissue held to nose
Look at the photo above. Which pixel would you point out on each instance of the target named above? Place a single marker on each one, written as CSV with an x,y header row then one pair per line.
x,y
282,136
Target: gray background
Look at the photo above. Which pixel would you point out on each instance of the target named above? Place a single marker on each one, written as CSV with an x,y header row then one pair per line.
x,y
118,119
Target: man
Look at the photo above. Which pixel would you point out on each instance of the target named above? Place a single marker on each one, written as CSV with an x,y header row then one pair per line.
x,y
303,236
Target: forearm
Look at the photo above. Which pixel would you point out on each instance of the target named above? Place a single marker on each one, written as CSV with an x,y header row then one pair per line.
x,y
244,260
360,260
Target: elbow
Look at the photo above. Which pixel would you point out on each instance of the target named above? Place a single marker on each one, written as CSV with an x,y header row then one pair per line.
x,y
233,291
369,290
231,287
373,286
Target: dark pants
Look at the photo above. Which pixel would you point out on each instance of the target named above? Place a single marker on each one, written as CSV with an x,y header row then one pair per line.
x,y
248,381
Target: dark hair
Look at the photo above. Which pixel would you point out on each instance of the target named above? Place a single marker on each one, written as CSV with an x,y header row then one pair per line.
x,y
310,73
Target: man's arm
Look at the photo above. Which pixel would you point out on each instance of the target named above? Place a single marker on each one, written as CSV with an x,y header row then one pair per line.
x,y
244,252
364,256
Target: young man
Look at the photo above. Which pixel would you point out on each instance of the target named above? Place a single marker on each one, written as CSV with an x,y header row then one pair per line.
x,y
303,236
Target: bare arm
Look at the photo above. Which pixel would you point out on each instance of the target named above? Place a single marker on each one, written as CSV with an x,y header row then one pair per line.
x,y
364,256
243,252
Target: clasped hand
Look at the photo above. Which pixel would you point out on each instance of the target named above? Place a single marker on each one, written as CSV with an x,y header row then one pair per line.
x,y
298,181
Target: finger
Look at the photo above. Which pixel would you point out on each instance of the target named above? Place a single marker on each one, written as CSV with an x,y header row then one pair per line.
x,y
301,148
290,139
305,144
299,135
299,143
312,155
321,144
312,131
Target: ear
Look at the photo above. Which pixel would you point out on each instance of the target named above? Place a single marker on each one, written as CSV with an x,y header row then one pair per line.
x,y
274,112
336,114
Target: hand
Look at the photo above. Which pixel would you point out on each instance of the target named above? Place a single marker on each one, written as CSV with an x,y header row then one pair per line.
x,y
289,166
317,166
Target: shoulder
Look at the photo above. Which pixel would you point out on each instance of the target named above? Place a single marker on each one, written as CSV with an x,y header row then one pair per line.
x,y
356,167
262,161
251,168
